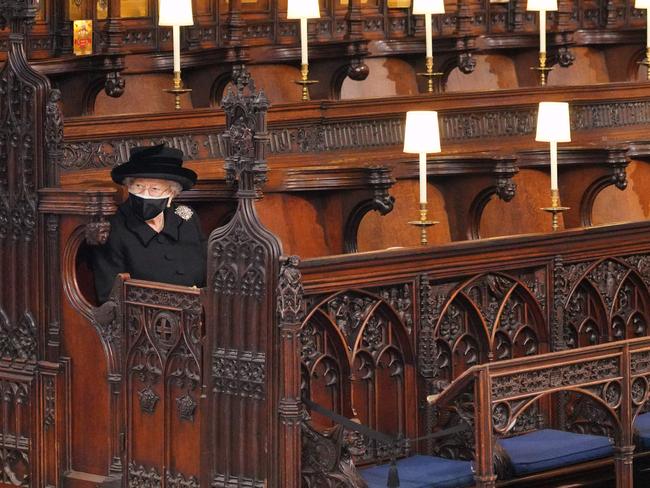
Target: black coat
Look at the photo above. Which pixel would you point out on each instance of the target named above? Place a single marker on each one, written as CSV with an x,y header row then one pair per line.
x,y
176,255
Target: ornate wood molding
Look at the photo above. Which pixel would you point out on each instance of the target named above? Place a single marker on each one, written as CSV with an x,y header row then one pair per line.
x,y
383,132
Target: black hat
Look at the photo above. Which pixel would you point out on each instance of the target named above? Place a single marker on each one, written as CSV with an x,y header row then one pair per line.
x,y
159,161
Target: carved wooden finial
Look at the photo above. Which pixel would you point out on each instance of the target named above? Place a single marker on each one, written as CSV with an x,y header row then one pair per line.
x,y
246,137
18,14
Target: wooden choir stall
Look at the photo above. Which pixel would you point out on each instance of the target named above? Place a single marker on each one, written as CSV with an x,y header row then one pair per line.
x,y
328,349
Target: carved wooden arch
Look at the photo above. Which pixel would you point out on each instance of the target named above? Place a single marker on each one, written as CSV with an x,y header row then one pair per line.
x,y
541,332
586,323
446,66
514,288
504,189
476,210
339,76
318,314
618,178
340,355
585,279
644,297
461,58
379,180
351,229
90,95
372,346
513,414
68,276
383,375
481,342
218,88
379,302
633,64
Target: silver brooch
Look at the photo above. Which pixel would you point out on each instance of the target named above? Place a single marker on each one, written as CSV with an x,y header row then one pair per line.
x,y
184,212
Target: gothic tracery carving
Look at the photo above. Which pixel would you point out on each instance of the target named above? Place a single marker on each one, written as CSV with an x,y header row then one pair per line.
x,y
179,480
18,341
349,312
239,373
555,377
290,292
141,477
370,133
242,264
430,306
400,298
245,110
358,333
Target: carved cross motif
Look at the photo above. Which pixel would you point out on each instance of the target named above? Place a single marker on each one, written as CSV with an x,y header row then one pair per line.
x,y
165,328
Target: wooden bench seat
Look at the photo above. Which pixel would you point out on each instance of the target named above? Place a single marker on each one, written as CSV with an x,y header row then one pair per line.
x,y
548,449
423,472
534,452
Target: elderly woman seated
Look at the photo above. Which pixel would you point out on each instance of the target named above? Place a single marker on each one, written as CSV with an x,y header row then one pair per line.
x,y
150,238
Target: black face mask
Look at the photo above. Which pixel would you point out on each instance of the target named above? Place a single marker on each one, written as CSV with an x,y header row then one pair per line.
x,y
147,208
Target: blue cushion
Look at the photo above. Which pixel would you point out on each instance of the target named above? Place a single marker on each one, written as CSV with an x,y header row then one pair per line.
x,y
642,426
423,472
547,449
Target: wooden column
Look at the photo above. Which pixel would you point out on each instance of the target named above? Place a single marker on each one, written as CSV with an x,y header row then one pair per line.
x,y
485,477
290,312
624,451
234,25
113,29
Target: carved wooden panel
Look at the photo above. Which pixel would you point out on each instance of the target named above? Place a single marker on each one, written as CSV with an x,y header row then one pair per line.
x,y
487,317
329,134
16,430
462,319
603,300
30,132
163,357
357,359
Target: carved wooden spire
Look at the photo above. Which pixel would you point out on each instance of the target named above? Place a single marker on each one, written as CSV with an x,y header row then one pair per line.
x,y
246,137
18,14
240,310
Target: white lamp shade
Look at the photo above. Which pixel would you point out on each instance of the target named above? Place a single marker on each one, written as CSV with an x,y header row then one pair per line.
x,y
422,133
421,7
303,9
538,5
175,12
642,4
553,122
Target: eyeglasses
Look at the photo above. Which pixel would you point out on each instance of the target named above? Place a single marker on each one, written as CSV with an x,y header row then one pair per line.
x,y
154,190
